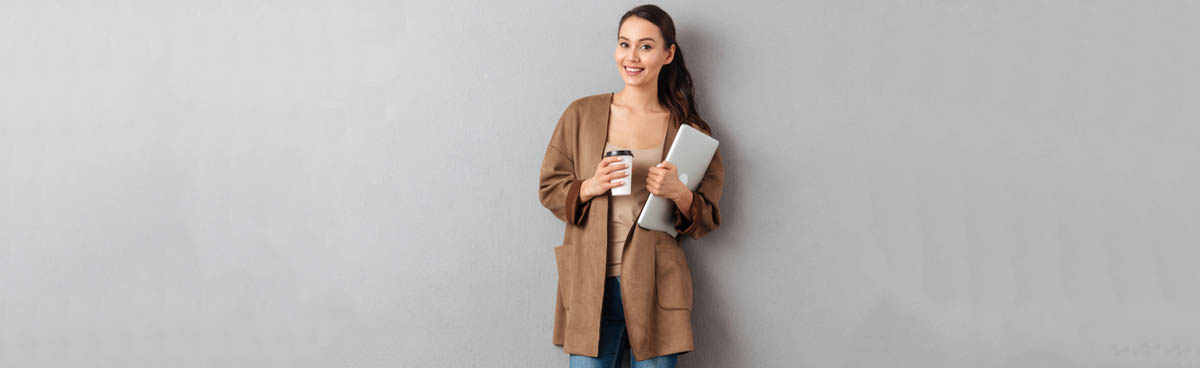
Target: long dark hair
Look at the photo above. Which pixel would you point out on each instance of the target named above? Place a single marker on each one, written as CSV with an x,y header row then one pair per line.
x,y
675,89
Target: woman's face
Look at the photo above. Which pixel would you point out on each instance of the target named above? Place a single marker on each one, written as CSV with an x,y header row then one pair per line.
x,y
640,52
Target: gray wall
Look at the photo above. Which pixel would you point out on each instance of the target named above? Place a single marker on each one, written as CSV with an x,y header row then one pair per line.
x,y
353,183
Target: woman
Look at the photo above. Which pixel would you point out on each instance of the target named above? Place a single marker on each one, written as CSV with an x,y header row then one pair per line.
x,y
622,287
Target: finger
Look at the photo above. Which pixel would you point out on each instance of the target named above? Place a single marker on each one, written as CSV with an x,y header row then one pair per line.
x,y
611,168
613,184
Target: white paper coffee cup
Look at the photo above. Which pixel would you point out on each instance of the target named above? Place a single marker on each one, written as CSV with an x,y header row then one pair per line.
x,y
626,156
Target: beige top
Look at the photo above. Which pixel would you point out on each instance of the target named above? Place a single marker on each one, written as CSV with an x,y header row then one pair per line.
x,y
623,210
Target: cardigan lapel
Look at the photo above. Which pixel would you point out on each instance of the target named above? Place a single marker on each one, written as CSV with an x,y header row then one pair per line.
x,y
595,135
672,129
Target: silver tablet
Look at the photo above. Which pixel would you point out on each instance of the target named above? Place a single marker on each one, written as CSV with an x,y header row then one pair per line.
x,y
691,152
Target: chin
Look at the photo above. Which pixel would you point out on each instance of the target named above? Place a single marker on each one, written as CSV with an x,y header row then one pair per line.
x,y
634,82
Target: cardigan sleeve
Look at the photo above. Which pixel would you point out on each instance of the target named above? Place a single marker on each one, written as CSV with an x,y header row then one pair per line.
x,y
558,186
705,215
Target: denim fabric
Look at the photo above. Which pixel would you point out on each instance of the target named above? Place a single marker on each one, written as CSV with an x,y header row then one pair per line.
x,y
614,343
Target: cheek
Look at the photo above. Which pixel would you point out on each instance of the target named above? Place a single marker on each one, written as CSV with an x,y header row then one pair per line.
x,y
659,61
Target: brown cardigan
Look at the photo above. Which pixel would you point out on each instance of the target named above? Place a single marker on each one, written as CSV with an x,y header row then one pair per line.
x,y
656,282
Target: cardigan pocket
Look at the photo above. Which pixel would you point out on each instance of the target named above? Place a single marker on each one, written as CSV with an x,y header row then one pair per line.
x,y
562,257
673,280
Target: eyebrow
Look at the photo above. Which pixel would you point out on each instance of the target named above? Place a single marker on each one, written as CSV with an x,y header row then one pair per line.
x,y
643,39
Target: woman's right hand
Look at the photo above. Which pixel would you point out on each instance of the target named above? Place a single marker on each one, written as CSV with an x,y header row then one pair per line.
x,y
600,181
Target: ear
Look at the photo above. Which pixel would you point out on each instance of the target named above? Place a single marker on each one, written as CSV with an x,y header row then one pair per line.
x,y
670,55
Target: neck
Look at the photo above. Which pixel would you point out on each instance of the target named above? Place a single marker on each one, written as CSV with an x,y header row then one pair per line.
x,y
639,98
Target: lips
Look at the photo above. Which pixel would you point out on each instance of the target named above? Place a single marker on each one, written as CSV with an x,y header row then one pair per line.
x,y
633,70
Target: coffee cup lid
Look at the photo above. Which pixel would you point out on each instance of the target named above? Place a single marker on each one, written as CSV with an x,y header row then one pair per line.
x,y
618,153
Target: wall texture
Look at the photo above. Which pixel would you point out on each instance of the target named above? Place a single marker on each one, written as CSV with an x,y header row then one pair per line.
x,y
353,183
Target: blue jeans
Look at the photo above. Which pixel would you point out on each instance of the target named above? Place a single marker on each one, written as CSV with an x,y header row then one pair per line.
x,y
614,343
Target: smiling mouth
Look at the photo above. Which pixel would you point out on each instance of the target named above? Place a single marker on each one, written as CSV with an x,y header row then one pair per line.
x,y
633,71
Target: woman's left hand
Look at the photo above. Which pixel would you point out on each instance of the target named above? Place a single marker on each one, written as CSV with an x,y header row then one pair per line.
x,y
663,181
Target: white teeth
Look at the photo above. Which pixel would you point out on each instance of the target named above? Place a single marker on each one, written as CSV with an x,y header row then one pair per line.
x,y
633,69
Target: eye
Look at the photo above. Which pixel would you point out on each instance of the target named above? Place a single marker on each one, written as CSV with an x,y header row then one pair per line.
x,y
645,47
623,44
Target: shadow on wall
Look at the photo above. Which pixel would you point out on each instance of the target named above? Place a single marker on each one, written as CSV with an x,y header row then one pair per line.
x,y
715,341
